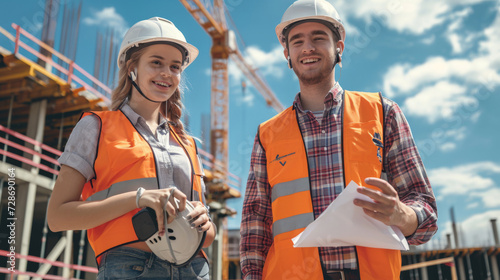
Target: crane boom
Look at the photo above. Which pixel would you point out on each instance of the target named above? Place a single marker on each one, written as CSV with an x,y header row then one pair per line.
x,y
203,17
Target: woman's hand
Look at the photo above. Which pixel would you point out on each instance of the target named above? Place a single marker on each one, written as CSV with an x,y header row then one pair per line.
x,y
199,218
163,201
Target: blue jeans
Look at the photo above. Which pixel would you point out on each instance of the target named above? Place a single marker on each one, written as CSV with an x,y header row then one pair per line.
x,y
130,263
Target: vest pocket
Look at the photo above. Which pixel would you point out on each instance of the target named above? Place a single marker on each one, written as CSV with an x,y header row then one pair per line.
x,y
363,143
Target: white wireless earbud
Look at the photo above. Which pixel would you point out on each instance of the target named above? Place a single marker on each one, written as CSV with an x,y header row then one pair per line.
x,y
133,75
338,50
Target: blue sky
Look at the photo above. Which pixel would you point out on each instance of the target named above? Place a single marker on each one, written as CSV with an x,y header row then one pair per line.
x,y
438,60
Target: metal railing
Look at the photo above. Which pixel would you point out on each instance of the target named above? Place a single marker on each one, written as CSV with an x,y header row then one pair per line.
x,y
73,71
42,261
42,147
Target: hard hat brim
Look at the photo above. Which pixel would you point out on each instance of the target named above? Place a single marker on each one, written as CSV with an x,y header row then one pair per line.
x,y
280,27
192,50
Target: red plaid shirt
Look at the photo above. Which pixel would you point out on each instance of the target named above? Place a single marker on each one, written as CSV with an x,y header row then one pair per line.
x,y
402,162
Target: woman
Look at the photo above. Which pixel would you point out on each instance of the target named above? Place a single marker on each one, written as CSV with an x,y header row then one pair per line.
x,y
126,153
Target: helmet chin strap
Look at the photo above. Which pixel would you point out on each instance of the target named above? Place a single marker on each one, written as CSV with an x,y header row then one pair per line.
x,y
133,77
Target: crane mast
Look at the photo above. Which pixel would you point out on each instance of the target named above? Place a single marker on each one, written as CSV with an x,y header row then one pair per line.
x,y
214,24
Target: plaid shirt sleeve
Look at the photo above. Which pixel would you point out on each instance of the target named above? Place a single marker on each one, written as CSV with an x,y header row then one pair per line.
x,y
406,172
255,230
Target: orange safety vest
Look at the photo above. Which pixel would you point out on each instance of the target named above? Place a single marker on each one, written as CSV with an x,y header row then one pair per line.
x,y
125,162
288,175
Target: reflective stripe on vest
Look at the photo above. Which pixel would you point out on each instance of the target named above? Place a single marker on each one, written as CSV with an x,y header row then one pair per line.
x,y
288,175
289,189
125,159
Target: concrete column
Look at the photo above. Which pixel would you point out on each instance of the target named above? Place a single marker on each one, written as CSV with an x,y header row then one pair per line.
x,y
461,268
217,248
493,260
68,256
494,268
423,270
469,271
417,276
1,192
495,231
90,261
26,193
238,271
487,264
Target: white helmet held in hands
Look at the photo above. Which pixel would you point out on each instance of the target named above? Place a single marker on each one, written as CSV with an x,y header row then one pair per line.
x,y
156,30
180,243
310,10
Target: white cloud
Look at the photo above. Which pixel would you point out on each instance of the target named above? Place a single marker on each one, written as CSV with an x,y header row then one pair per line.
x,y
429,40
235,74
491,45
247,99
475,117
448,146
457,19
438,101
473,205
439,87
457,34
397,15
455,42
489,197
406,79
480,69
458,133
414,17
473,180
108,17
269,63
478,230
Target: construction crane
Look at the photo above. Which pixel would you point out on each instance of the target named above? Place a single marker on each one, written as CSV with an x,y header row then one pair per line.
x,y
212,19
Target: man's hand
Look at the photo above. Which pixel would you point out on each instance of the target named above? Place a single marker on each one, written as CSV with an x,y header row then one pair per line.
x,y
387,207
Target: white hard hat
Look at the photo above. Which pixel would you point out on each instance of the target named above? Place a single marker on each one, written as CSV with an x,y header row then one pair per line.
x,y
156,30
181,243
315,10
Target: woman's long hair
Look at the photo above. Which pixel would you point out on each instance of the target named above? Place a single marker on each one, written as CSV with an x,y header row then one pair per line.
x,y
173,105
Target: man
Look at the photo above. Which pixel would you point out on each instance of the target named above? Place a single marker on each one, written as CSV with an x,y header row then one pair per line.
x,y
304,157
